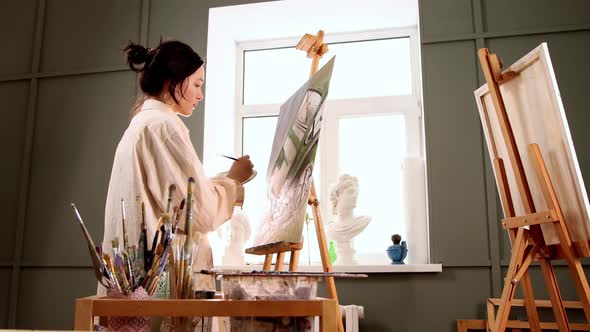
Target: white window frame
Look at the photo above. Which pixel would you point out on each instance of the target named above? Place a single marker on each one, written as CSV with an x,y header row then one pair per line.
x,y
408,105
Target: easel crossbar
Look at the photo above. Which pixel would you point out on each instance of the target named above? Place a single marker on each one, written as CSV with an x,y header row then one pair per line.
x,y
273,248
530,219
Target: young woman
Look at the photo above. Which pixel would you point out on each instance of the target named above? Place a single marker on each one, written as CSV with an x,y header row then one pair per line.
x,y
156,152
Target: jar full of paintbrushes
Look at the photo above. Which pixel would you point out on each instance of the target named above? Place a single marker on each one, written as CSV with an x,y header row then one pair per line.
x,y
138,272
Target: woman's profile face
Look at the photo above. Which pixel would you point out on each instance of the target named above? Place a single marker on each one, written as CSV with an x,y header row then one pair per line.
x,y
192,93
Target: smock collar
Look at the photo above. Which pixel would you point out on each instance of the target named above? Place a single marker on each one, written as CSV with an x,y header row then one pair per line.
x,y
156,105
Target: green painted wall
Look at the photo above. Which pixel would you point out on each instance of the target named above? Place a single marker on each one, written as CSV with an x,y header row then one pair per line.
x,y
66,95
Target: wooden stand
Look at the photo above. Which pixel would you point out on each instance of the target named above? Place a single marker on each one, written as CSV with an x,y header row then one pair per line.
x,y
528,244
315,48
89,307
279,248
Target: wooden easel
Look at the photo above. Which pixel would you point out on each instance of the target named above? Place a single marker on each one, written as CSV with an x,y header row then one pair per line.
x,y
315,48
528,245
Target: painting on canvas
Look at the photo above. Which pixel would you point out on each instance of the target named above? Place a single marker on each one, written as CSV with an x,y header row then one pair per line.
x,y
291,161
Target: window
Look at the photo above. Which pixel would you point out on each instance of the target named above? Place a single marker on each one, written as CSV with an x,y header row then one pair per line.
x,y
372,128
372,115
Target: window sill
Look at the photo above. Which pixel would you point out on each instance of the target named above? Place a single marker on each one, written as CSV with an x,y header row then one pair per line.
x,y
403,268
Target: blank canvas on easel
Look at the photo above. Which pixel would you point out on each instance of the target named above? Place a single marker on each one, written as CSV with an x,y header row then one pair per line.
x,y
291,161
536,114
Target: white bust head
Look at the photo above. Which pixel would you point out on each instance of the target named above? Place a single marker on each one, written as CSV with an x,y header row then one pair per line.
x,y
343,196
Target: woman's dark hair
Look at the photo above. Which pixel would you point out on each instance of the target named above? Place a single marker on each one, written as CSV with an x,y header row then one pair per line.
x,y
171,62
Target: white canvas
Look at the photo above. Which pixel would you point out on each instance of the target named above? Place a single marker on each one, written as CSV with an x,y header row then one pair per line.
x,y
536,114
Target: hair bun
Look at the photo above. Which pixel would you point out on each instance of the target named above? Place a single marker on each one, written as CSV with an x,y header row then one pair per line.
x,y
136,55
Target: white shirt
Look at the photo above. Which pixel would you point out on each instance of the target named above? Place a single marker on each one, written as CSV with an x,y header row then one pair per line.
x,y
155,152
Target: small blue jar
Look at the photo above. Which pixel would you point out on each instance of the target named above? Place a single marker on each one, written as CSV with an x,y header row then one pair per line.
x,y
397,252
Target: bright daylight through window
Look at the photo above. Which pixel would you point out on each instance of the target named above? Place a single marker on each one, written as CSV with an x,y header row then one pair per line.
x,y
371,129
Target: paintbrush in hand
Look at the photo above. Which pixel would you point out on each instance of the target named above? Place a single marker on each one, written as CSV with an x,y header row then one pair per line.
x,y
229,157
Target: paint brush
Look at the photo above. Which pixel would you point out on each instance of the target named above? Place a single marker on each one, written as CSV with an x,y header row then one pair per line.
x,y
155,240
189,212
168,235
106,273
172,273
109,265
187,259
177,252
163,235
157,235
173,218
123,217
179,214
252,176
143,241
84,230
171,190
109,276
229,157
97,263
119,265
189,284
128,268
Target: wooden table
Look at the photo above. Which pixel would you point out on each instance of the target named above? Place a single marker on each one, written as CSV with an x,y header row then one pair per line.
x,y
89,307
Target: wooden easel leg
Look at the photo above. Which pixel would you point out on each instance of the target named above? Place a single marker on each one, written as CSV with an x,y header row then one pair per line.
x,y
518,249
573,261
267,262
554,295
83,321
294,260
279,262
491,315
581,284
529,303
328,319
322,243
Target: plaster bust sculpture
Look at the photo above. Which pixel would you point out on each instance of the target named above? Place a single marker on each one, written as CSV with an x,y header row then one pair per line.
x,y
238,235
345,225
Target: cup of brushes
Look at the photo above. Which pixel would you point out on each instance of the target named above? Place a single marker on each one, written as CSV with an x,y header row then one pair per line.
x,y
136,272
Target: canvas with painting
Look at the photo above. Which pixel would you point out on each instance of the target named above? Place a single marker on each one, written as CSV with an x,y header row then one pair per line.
x,y
291,161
